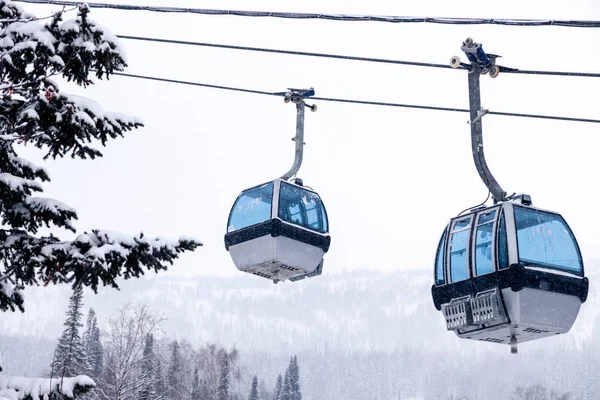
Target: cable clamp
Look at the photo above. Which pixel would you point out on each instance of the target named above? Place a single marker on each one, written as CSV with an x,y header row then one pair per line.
x,y
480,114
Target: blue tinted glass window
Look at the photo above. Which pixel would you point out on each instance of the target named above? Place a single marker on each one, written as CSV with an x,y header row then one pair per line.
x,y
502,243
252,207
302,207
459,240
439,261
484,243
545,239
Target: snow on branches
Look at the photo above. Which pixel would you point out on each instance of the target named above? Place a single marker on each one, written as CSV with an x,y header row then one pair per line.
x,y
33,110
17,388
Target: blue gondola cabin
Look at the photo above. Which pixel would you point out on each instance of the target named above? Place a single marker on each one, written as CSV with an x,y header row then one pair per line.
x,y
509,273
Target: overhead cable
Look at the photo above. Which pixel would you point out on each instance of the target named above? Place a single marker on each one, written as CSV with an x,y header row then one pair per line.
x,y
334,17
288,52
351,58
363,102
206,85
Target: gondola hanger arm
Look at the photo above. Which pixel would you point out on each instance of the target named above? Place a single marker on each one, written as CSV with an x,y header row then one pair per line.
x,y
297,96
481,63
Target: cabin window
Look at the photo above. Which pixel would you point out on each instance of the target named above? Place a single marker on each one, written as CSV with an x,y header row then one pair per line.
x,y
459,240
252,207
302,207
439,261
545,240
502,243
483,243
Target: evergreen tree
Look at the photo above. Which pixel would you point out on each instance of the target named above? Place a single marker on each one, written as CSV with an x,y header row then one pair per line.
x,y
175,372
254,389
96,355
223,386
70,355
287,386
295,379
147,375
291,382
278,395
35,111
88,329
93,346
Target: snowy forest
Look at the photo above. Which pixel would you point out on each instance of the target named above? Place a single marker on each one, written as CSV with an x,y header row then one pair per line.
x,y
34,111
343,348
133,359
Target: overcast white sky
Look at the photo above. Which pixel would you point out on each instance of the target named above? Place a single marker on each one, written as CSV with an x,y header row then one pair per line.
x,y
390,178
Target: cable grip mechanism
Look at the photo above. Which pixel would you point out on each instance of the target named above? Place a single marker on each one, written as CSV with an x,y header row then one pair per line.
x,y
297,96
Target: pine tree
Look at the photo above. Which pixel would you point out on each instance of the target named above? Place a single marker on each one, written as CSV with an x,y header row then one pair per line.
x,y
96,354
287,386
35,111
223,386
88,329
70,355
295,379
93,346
175,371
291,382
254,389
148,370
278,395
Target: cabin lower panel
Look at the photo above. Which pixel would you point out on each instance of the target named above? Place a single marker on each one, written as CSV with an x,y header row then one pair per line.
x,y
277,258
542,310
502,334
533,314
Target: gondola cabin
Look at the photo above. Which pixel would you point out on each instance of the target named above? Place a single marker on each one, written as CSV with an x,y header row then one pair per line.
x,y
279,231
509,273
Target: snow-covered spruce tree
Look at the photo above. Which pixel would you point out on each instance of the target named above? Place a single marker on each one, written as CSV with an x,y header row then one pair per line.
x,y
291,382
70,354
278,392
223,384
34,111
174,374
93,345
148,367
286,393
295,379
254,389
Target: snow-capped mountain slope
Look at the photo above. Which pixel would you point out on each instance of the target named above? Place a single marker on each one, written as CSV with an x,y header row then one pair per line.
x,y
361,334
354,311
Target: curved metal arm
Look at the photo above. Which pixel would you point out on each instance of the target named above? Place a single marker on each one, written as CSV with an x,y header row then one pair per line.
x,y
299,139
477,138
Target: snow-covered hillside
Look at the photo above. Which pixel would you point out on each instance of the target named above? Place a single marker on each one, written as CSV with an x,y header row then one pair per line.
x,y
356,311
356,334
